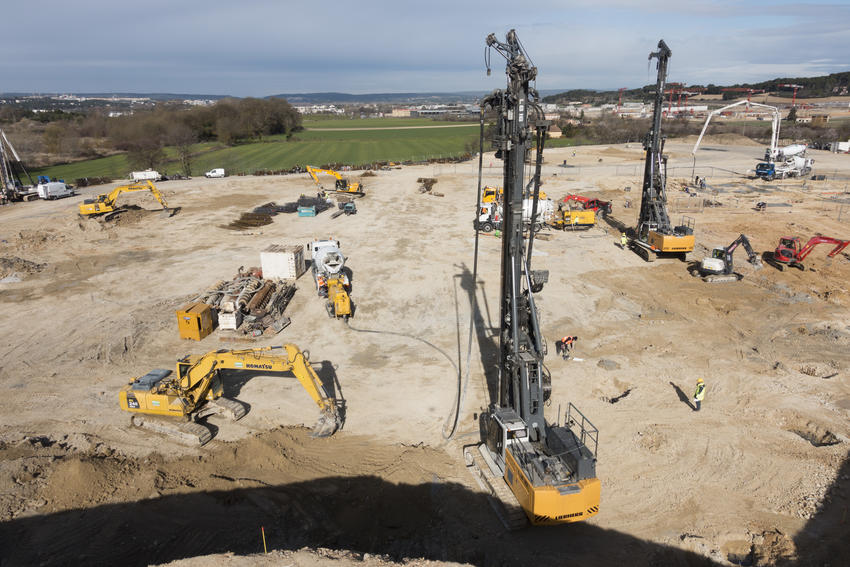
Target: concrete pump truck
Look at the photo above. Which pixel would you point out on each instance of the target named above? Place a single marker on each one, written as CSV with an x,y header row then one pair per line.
x,y
539,471
655,234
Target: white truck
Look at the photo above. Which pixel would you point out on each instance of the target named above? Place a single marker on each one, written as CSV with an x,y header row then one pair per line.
x,y
215,173
54,190
790,161
490,214
146,175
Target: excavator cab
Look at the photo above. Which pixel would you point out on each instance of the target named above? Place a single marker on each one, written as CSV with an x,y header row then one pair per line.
x,y
788,249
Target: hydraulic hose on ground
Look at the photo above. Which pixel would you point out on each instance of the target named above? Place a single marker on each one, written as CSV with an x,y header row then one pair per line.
x,y
464,381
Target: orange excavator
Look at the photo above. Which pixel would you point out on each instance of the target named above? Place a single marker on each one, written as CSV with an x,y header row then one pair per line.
x,y
791,253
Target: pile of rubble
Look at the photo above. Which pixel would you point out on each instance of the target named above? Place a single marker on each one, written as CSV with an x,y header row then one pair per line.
x,y
249,304
263,214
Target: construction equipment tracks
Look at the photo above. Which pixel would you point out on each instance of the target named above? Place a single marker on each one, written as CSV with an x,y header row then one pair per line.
x,y
501,498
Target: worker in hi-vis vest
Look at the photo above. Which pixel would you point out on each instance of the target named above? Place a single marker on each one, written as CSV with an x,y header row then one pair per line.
x,y
699,394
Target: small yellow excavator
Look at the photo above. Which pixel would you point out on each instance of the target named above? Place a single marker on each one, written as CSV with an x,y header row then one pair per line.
x,y
105,204
196,391
342,185
492,194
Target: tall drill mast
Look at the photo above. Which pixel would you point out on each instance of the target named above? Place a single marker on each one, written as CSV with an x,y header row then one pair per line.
x,y
520,345
550,469
656,235
653,210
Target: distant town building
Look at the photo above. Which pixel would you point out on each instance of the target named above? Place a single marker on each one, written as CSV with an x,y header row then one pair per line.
x,y
319,109
400,113
554,132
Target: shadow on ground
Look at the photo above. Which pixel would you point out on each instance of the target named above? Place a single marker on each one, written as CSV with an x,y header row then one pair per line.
x,y
437,521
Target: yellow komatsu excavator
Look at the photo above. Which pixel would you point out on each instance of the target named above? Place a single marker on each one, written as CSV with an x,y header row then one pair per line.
x,y
105,204
342,184
196,391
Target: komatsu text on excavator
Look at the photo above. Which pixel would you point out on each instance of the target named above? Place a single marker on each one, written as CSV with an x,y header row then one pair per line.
x,y
196,391
655,233
540,472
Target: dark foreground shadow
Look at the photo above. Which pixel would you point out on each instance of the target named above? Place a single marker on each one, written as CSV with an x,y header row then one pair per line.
x,y
435,521
683,397
825,540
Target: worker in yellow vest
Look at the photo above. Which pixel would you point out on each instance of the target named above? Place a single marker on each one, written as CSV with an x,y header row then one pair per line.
x,y
624,241
699,394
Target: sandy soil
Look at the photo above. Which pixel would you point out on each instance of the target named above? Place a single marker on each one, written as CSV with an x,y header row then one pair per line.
x,y
761,471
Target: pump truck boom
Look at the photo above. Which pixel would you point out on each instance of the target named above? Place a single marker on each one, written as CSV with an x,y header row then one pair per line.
x,y
196,391
790,161
718,267
538,470
655,234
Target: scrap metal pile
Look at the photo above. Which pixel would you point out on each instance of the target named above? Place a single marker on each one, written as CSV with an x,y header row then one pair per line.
x,y
263,214
250,304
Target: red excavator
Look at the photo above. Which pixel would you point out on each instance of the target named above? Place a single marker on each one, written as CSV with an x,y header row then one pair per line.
x,y
790,253
598,206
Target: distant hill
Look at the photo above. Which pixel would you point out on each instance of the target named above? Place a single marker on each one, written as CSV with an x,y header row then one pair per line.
x,y
382,98
152,96
813,87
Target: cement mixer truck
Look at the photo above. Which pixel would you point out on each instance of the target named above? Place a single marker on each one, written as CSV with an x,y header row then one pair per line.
x,y
790,161
490,214
332,281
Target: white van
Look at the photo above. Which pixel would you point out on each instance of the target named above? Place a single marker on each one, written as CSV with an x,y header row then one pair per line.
x,y
54,190
218,172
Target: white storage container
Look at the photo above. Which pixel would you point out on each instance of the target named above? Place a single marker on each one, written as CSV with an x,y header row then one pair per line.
x,y
283,261
229,321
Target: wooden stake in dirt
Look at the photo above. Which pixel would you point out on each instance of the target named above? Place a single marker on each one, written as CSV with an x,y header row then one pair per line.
x,y
263,531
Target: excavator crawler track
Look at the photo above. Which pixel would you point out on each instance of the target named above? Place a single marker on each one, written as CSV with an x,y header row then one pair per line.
x,y
232,409
721,278
503,501
188,432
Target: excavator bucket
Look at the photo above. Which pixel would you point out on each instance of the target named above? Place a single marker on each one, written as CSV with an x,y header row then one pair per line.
x,y
169,212
756,262
326,426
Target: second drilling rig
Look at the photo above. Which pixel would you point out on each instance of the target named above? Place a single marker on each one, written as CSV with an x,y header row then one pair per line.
x,y
655,233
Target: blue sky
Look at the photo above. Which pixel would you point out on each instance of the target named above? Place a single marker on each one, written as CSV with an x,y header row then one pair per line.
x,y
263,47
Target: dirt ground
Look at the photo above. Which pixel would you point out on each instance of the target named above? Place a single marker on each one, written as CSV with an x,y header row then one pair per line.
x,y
759,475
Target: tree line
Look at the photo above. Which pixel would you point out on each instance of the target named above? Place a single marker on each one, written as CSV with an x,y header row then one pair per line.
x,y
145,133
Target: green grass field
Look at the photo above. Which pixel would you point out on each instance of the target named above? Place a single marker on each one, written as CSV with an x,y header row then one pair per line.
x,y
309,123
310,147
